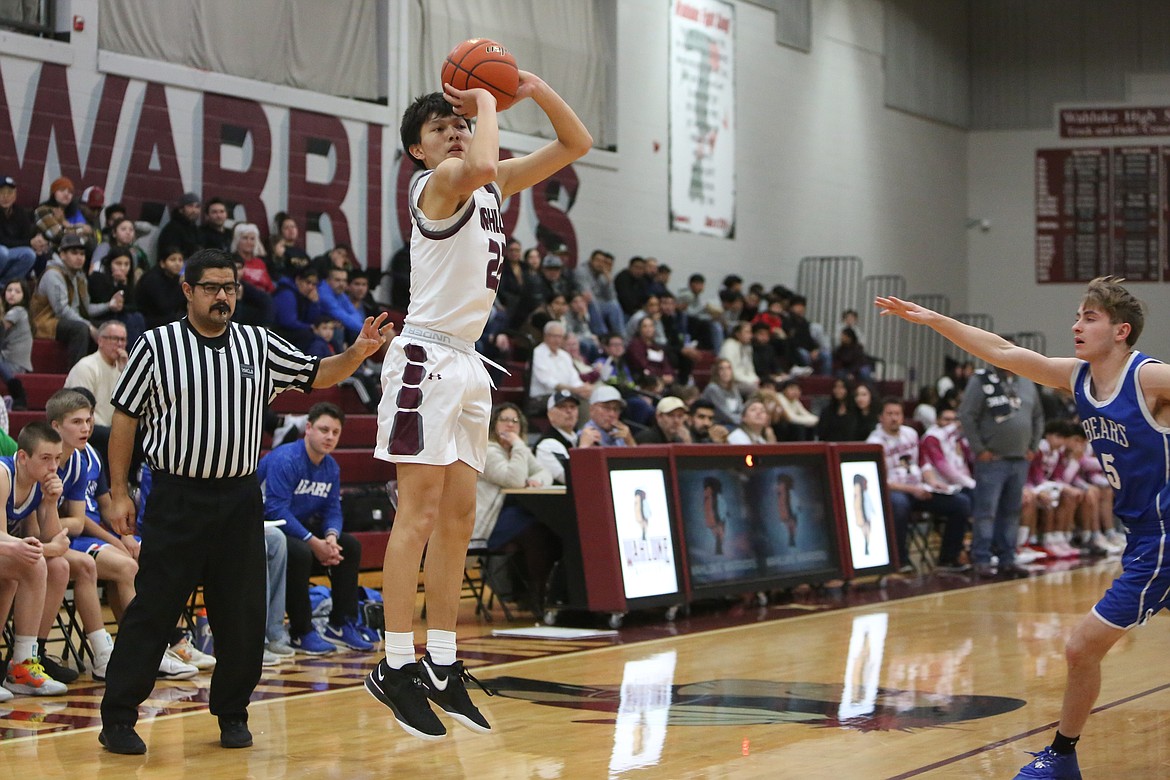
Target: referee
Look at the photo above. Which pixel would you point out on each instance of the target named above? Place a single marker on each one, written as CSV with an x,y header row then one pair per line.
x,y
199,387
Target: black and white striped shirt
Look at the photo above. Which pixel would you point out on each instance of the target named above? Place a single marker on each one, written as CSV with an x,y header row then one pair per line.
x,y
202,400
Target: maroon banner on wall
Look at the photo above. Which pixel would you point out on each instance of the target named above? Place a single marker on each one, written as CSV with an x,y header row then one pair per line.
x,y
1114,122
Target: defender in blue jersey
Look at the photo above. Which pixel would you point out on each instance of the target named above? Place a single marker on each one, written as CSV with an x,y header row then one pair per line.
x,y
31,546
1123,398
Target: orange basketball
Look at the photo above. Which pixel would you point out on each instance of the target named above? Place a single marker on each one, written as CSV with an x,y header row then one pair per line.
x,y
483,63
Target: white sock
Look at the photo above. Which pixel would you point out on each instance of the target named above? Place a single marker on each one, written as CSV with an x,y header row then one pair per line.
x,y
24,648
99,639
399,648
441,646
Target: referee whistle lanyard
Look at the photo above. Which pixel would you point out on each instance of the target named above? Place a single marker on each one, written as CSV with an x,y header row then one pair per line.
x,y
447,340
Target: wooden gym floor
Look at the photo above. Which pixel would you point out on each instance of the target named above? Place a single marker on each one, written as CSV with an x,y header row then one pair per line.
x,y
930,677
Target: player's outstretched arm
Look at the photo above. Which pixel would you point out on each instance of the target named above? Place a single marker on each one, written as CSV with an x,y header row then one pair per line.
x,y
573,139
1053,372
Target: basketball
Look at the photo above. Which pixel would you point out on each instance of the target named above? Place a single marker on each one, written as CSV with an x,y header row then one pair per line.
x,y
483,63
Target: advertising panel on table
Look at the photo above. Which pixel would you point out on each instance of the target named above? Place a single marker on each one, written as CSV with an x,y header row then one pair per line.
x,y
859,476
756,518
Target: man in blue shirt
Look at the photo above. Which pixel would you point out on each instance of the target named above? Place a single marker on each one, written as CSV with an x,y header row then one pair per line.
x,y
335,303
302,486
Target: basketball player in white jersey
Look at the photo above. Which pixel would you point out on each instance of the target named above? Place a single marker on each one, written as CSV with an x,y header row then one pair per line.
x,y
433,418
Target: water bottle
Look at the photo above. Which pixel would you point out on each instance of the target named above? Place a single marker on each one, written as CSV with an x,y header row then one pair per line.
x,y
204,642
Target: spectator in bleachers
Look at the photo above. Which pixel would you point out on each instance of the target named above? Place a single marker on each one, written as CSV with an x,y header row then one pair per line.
x,y
19,241
182,230
579,322
112,213
732,304
90,203
277,645
755,424
29,488
532,258
653,285
849,319
867,411
286,255
838,419
61,308
520,286
956,376
766,352
944,448
98,372
160,296
849,358
926,411
723,391
737,351
631,286
1095,515
647,356
681,348
732,283
553,369
121,235
605,410
335,302
754,304
702,313
1003,423
704,429
670,424
572,345
1049,504
214,232
554,308
651,307
296,307
611,366
16,343
554,280
596,279
552,450
59,216
912,488
117,279
806,349
302,486
357,289
500,523
801,421
246,246
661,284
324,331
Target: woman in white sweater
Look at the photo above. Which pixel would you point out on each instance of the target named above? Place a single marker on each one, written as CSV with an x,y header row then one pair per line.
x,y
500,525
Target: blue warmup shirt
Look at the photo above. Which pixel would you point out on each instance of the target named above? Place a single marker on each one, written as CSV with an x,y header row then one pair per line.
x,y
302,494
1133,450
18,514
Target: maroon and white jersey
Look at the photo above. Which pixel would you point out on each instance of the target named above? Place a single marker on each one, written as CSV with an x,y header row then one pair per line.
x,y
455,263
901,454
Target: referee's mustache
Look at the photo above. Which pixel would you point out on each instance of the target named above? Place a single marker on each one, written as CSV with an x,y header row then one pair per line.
x,y
221,307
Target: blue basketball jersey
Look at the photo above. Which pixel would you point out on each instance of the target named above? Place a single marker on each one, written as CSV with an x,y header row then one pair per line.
x,y
1133,450
18,514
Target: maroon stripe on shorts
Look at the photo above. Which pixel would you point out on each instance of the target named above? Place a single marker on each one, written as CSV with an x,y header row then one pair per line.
x,y
406,437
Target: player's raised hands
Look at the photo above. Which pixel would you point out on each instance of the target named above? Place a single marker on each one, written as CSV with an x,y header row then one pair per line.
x,y
467,103
374,334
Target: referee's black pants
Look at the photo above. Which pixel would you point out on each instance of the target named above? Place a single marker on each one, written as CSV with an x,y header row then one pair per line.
x,y
194,530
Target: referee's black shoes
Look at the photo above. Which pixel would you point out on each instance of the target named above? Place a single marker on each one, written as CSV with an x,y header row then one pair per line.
x,y
233,732
121,738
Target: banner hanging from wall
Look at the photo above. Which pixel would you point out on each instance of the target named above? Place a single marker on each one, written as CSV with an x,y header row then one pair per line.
x,y
702,117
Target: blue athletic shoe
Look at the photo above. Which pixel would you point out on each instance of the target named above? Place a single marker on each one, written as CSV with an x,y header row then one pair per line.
x,y
371,635
1054,766
311,643
346,636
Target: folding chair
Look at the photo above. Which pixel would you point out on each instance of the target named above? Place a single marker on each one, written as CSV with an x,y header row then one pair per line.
x,y
920,542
